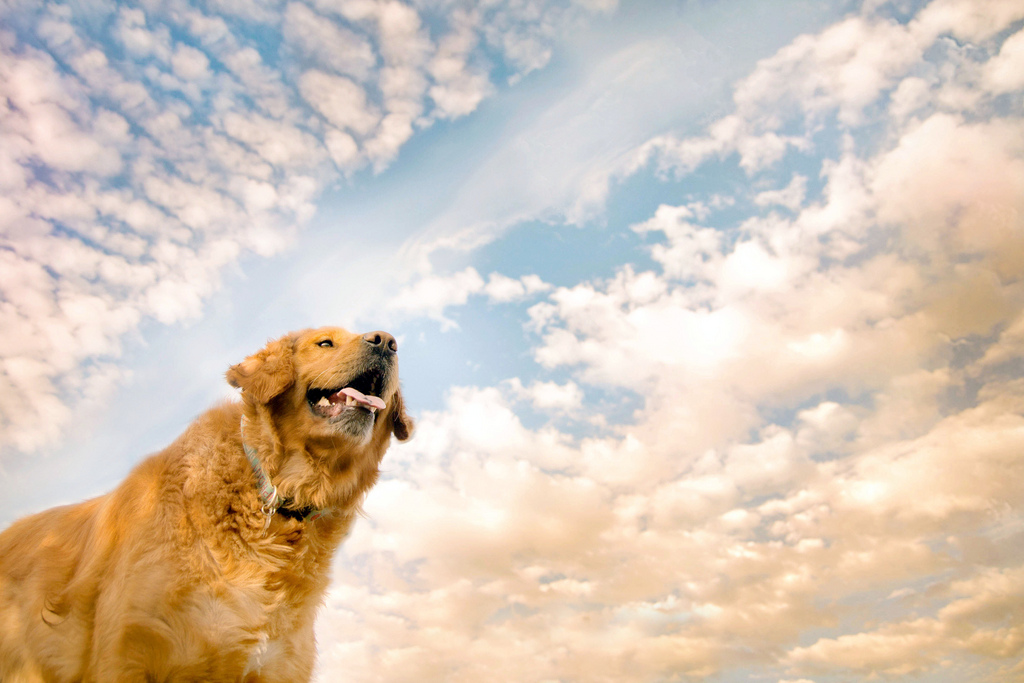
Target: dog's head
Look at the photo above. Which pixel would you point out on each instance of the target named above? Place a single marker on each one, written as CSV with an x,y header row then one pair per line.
x,y
328,383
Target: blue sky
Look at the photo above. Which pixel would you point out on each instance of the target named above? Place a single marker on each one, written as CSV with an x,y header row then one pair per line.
x,y
710,313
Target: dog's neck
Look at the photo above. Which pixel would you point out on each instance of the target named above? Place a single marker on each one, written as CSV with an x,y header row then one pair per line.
x,y
318,472
273,502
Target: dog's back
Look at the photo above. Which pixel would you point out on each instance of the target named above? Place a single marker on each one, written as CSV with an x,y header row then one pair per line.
x,y
150,581
56,565
38,558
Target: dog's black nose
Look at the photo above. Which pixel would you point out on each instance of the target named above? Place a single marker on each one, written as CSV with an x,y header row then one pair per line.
x,y
383,341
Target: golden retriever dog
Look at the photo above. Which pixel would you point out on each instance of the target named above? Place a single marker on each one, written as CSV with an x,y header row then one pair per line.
x,y
209,561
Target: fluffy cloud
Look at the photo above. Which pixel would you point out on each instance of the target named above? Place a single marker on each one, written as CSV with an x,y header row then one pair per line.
x,y
327,43
845,72
145,149
339,100
460,84
806,455
980,620
549,396
830,410
430,295
1003,72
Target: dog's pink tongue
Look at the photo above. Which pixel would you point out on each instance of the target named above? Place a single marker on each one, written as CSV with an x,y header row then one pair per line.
x,y
362,399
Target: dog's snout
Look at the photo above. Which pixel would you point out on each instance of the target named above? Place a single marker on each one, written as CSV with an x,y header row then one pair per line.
x,y
382,341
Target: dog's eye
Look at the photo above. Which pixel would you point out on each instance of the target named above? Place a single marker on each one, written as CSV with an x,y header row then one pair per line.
x,y
325,343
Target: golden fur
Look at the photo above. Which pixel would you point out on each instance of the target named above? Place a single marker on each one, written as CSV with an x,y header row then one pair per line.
x,y
174,575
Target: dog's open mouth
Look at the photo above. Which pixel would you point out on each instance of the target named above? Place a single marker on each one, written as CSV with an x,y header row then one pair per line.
x,y
359,394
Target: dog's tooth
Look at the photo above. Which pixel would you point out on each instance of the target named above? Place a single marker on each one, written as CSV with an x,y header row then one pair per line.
x,y
323,401
349,401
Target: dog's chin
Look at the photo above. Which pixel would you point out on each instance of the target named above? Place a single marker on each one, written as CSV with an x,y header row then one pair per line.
x,y
354,423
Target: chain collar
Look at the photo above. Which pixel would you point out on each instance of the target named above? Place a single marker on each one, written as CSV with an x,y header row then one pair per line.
x,y
272,501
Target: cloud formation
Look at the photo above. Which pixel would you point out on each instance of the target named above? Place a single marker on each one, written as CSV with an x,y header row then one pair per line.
x,y
823,477
145,149
787,440
430,296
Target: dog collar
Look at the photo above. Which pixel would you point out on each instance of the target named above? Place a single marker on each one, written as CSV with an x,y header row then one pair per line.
x,y
271,499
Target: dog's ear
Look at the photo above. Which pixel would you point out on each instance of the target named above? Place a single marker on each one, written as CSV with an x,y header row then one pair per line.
x,y
401,423
267,373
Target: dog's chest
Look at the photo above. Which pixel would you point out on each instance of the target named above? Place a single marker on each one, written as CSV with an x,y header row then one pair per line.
x,y
263,654
260,596
254,617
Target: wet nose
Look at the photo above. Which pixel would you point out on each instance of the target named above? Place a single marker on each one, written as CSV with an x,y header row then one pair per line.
x,y
382,341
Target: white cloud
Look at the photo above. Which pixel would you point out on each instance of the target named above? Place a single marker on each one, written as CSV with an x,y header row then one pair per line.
x,y
525,37
1003,72
429,296
278,142
340,101
843,71
39,120
971,623
912,94
1010,346
190,64
829,410
501,289
975,20
459,86
145,149
259,82
843,68
328,44
550,396
827,427
262,11
559,164
405,48
343,148
826,404
958,188
469,541
791,196
138,39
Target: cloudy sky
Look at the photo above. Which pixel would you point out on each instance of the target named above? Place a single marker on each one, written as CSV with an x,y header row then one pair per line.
x,y
711,313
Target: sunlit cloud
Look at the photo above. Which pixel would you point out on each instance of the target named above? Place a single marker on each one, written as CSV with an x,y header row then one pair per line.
x,y
828,410
775,433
